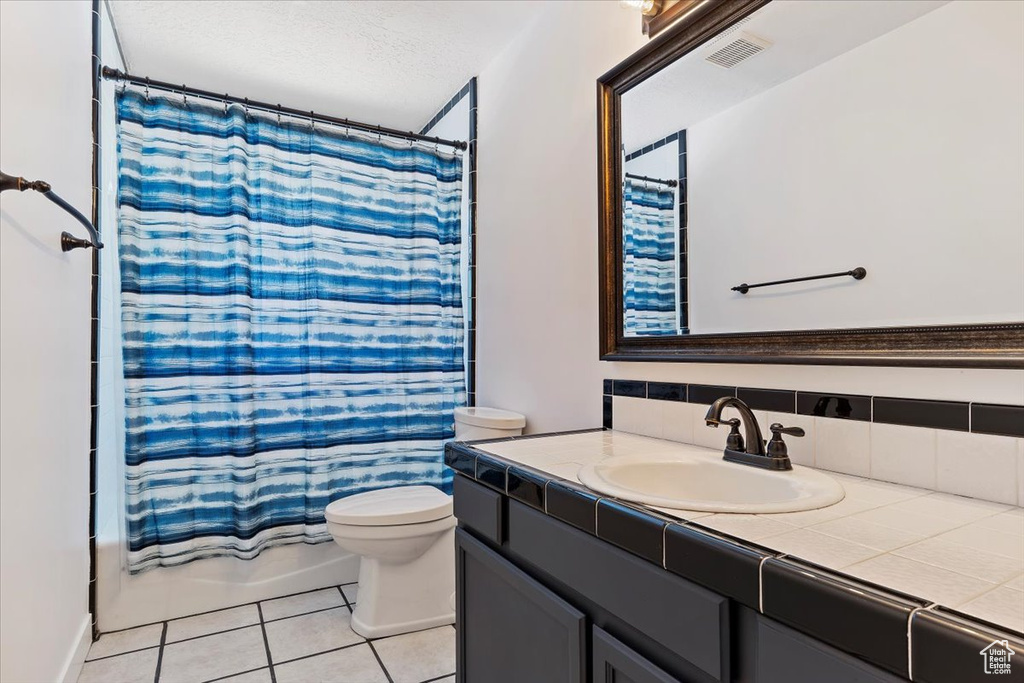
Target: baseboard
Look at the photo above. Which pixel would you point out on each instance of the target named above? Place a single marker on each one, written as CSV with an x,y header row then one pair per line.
x,y
76,657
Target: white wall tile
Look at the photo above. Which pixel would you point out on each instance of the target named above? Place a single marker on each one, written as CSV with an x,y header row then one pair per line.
x,y
843,445
801,448
905,455
637,415
978,465
677,421
1020,472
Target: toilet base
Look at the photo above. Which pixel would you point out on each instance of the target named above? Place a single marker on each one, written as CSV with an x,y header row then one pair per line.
x,y
402,597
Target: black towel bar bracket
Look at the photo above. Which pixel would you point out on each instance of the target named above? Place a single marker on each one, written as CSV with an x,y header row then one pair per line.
x,y
67,240
857,274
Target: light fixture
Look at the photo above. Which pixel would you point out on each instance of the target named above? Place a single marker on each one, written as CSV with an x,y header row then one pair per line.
x,y
648,8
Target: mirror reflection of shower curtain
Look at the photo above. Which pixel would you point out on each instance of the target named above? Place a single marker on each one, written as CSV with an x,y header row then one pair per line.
x,y
649,259
293,323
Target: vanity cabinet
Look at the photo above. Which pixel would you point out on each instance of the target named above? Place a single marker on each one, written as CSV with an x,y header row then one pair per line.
x,y
511,628
615,662
541,601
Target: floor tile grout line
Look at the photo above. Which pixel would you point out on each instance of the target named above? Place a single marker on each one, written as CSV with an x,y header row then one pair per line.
x,y
266,644
240,673
302,614
438,678
380,661
121,654
323,652
225,609
160,654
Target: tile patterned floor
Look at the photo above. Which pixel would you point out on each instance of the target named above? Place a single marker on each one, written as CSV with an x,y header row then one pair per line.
x,y
303,638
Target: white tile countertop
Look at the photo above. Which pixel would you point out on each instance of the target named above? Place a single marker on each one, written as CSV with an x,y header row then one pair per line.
x,y
959,552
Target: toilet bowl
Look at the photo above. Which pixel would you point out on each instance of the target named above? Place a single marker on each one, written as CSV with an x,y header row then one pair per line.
x,y
405,537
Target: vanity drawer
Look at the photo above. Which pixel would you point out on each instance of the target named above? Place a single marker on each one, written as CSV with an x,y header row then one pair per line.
x,y
479,508
788,656
689,621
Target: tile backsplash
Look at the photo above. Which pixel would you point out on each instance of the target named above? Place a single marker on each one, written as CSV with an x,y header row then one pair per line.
x,y
969,449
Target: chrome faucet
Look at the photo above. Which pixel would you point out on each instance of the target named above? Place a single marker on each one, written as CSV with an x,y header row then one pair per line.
x,y
750,450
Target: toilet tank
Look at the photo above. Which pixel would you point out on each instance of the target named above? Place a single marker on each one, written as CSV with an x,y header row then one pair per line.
x,y
472,424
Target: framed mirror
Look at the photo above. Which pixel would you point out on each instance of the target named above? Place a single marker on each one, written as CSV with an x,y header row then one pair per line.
x,y
812,181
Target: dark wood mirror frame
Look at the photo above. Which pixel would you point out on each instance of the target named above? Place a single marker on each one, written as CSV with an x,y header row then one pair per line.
x,y
971,345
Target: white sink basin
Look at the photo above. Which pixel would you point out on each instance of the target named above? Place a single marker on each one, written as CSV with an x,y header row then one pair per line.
x,y
698,479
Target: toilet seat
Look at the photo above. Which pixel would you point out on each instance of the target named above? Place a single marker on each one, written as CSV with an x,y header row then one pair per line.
x,y
390,507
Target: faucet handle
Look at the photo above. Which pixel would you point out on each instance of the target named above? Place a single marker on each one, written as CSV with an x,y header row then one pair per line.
x,y
777,429
777,447
735,440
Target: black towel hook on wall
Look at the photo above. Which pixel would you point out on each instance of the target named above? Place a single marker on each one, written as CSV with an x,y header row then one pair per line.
x,y
67,240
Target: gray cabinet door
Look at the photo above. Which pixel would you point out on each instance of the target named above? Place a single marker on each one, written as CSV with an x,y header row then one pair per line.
x,y
615,662
787,656
512,629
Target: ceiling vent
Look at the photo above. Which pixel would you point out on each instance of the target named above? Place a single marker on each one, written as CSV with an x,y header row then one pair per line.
x,y
740,48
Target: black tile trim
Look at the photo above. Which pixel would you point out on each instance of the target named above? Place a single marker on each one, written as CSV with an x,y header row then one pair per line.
x,y
708,393
637,531
873,625
526,486
665,391
991,418
774,400
491,471
572,506
607,408
978,418
919,413
948,648
858,617
725,567
671,137
631,388
840,406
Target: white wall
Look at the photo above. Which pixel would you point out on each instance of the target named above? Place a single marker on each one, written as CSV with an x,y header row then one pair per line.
x,y
45,98
903,155
537,242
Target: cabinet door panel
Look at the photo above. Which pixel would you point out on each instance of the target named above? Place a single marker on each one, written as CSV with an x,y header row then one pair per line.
x,y
512,629
615,662
787,656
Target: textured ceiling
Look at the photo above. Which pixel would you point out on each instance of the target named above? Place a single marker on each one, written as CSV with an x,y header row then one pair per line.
x,y
390,63
804,33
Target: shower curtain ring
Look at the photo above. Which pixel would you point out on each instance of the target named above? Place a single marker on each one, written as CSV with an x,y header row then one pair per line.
x,y
147,88
312,121
378,134
184,95
246,107
346,127
279,113
225,103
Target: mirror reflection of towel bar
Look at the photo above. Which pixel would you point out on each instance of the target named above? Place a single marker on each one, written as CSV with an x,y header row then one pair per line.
x,y
857,273
67,240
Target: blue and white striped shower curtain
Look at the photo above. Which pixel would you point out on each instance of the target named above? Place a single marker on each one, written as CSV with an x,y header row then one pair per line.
x,y
649,265
293,323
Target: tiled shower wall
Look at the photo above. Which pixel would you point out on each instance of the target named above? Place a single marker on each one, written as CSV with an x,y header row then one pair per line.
x,y
969,449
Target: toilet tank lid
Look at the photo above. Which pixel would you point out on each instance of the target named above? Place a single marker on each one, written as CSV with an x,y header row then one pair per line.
x,y
494,418
388,507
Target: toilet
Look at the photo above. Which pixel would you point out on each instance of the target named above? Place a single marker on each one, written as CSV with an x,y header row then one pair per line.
x,y
472,424
405,537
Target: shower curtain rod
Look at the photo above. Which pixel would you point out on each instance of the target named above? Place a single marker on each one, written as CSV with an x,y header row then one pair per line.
x,y
118,75
670,183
